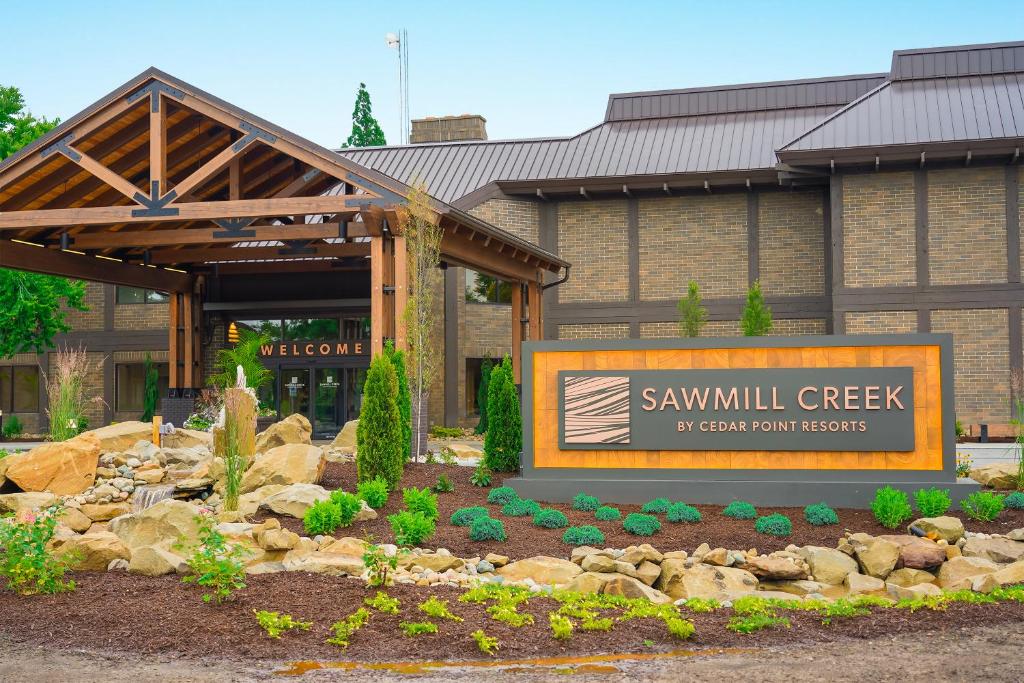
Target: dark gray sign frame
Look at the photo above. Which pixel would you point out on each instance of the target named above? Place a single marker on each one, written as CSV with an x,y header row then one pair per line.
x,y
850,488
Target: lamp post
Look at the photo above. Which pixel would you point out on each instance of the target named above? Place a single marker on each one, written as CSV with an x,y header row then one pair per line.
x,y
400,42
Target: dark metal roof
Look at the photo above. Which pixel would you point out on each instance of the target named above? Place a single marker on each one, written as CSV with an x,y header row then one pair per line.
x,y
810,92
958,60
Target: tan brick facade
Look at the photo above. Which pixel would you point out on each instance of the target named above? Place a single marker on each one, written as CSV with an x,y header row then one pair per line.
x,y
520,218
668,330
594,331
967,225
792,327
593,237
791,243
141,316
881,322
982,362
92,319
878,230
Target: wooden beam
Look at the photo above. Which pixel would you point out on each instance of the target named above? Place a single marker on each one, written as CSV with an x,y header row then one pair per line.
x,y
119,183
293,266
215,235
169,256
235,179
52,262
475,255
212,167
401,294
535,298
376,295
158,146
517,331
173,362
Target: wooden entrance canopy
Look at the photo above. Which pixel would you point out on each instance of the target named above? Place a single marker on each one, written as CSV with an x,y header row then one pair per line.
x,y
161,185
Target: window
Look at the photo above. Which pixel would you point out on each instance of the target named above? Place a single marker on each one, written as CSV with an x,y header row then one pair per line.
x,y
484,289
138,295
19,389
473,377
130,389
355,328
269,327
314,329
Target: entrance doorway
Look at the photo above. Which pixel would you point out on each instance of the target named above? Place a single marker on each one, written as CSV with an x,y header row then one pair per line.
x,y
328,396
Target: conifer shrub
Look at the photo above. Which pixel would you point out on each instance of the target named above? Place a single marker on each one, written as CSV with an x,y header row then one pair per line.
x,y
486,366
550,519
1014,501
584,502
656,506
606,513
520,508
820,514
420,500
641,525
681,512
487,529
348,505
891,507
502,495
465,516
374,492
397,359
774,525
740,509
583,535
756,319
379,436
932,502
504,439
322,518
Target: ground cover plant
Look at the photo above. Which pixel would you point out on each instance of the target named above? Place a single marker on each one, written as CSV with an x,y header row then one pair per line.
x,y
681,512
774,525
585,502
26,562
417,628
607,513
216,565
275,623
583,535
443,485
820,514
520,508
656,506
1014,501
932,502
502,495
344,629
891,507
487,529
465,516
641,524
983,506
550,519
437,608
740,509
347,504
383,603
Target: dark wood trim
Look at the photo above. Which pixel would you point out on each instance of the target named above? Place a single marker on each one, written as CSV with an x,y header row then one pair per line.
x,y
836,246
1012,223
452,352
662,311
826,215
753,240
633,244
924,320
921,227
547,235
983,295
109,303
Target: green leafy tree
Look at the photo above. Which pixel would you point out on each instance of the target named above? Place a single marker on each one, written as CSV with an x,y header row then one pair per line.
x,y
247,354
481,394
397,359
18,127
379,449
151,392
366,132
504,438
757,317
692,314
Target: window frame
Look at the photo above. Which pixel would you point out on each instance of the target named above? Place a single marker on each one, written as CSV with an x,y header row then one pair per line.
x,y
161,391
7,403
148,297
500,284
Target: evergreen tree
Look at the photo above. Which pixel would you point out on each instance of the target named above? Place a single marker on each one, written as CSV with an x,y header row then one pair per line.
x,y
397,359
757,317
379,451
151,393
692,314
504,438
366,132
486,366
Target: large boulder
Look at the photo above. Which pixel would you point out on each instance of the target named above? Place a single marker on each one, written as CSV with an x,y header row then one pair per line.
x,y
777,567
828,565
325,563
952,574
877,557
65,468
588,583
16,502
249,503
919,590
293,429
163,524
293,463
122,436
187,438
1010,574
435,562
185,458
293,500
910,577
346,438
93,552
543,570
949,529
998,475
857,583
995,549
918,553
156,560
703,581
104,512
629,587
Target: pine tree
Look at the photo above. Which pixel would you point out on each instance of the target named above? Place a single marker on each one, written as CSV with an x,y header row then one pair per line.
x,y
692,314
151,393
366,132
486,366
397,359
757,317
379,451
504,438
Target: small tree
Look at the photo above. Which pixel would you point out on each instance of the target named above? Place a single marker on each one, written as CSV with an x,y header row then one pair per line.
x,y
366,131
247,354
379,451
757,317
504,438
397,359
486,366
151,394
692,314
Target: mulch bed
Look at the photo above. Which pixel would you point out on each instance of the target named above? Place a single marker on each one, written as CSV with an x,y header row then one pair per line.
x,y
526,540
116,612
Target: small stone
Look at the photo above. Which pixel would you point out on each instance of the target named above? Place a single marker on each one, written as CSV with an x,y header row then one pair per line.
x,y
912,592
118,564
718,557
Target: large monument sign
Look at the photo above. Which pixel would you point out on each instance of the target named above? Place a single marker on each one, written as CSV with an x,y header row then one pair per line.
x,y
773,420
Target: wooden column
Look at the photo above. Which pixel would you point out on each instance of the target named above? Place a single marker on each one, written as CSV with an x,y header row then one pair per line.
x,y
173,349
389,322
517,330
197,318
376,295
188,341
401,294
158,147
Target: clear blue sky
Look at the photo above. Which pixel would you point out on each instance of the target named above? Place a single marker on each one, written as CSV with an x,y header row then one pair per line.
x,y
531,68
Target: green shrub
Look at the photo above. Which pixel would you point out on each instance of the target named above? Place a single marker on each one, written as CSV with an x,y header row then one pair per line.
x,y
891,507
983,506
504,439
442,432
465,516
740,509
485,643
932,502
820,514
322,517
443,485
756,319
550,519
216,564
561,626
681,512
12,428
417,628
656,506
774,525
583,535
520,508
502,495
481,475
606,513
487,529
374,492
379,448
348,505
584,502
411,528
275,623
397,359
641,525
383,603
26,561
421,500
1014,501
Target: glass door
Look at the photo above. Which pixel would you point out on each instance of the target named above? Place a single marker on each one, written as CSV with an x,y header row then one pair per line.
x,y
354,379
294,391
327,410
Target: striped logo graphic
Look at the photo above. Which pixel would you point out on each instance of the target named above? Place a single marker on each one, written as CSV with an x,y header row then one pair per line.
x,y
596,410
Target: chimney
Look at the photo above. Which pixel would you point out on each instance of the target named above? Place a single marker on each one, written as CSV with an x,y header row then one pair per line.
x,y
449,128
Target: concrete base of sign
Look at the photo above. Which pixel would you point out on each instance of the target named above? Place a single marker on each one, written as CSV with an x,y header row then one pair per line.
x,y
839,494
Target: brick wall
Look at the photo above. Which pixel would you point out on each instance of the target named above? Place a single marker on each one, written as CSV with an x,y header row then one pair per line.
x,y
669,330
878,230
967,225
702,238
794,327
141,316
982,362
593,237
517,217
92,319
791,243
594,331
881,322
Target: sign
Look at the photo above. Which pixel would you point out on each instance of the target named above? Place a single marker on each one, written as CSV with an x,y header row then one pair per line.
x,y
779,409
316,349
